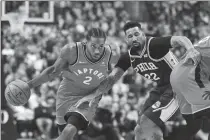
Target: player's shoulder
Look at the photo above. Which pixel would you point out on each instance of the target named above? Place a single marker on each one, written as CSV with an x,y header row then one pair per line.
x,y
113,48
69,46
69,50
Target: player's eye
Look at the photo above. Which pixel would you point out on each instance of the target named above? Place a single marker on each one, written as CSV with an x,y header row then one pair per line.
x,y
101,46
137,34
130,36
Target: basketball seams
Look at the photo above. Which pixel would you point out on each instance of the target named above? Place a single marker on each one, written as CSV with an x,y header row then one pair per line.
x,y
8,98
20,101
21,90
11,96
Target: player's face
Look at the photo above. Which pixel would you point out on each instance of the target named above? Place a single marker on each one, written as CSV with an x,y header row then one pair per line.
x,y
135,37
95,47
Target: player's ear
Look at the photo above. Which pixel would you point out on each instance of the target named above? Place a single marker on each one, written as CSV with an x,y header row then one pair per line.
x,y
84,42
126,39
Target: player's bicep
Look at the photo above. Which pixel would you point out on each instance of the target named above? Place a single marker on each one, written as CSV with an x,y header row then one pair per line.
x,y
59,64
159,46
62,60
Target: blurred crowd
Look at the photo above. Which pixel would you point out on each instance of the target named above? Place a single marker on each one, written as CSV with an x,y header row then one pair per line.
x,y
25,55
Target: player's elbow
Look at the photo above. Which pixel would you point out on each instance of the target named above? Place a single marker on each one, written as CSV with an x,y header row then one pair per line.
x,y
179,41
52,72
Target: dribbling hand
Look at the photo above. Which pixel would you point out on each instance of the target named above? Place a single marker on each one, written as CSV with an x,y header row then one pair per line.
x,y
193,55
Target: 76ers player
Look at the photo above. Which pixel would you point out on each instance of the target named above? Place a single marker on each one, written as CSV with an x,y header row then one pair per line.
x,y
83,66
151,57
191,83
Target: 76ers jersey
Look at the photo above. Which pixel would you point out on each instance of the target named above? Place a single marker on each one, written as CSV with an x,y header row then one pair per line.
x,y
84,76
153,69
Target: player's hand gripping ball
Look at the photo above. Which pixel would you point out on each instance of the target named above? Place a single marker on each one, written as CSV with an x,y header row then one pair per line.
x,y
17,93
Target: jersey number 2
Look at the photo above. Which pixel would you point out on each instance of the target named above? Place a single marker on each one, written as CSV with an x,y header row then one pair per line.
x,y
87,80
151,76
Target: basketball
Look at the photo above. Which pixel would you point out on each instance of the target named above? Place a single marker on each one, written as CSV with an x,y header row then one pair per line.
x,y
17,93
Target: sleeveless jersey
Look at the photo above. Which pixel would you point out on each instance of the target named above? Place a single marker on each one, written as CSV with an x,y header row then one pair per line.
x,y
84,76
192,83
203,47
156,70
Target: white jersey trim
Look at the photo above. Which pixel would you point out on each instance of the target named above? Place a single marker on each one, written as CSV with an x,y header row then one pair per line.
x,y
169,110
167,58
98,61
77,47
170,59
156,60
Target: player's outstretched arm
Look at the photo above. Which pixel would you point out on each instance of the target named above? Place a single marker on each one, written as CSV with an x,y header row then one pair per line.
x,y
115,54
192,53
160,46
53,71
183,41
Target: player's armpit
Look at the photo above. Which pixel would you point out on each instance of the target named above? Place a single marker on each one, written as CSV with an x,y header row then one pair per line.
x,y
69,53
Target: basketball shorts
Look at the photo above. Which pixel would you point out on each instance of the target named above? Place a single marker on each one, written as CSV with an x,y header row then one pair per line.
x,y
193,94
160,106
67,104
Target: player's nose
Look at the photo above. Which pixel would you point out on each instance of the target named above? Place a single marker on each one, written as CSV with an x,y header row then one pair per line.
x,y
96,51
134,39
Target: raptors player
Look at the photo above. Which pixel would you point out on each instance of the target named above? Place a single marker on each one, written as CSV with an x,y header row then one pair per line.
x,y
83,66
151,57
191,83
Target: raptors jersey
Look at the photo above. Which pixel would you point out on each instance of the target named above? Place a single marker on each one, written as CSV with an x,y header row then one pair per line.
x,y
84,76
153,69
192,83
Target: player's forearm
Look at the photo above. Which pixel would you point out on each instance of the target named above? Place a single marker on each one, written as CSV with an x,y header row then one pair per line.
x,y
177,41
108,83
44,77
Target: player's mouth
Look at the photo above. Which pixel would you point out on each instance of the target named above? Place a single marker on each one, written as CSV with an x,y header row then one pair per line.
x,y
135,44
96,56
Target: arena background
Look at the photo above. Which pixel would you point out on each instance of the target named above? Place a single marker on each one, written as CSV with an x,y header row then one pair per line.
x,y
27,50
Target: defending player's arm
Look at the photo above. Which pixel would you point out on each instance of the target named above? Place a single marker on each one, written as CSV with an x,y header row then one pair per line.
x,y
160,46
53,71
115,54
122,65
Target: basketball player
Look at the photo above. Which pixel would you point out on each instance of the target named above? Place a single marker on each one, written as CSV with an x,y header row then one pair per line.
x,y
191,83
83,66
151,57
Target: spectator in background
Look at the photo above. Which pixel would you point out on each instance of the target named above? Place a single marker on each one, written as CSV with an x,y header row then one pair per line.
x,y
43,42
44,117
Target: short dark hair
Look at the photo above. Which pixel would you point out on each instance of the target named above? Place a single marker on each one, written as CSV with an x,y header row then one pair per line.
x,y
96,32
131,24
